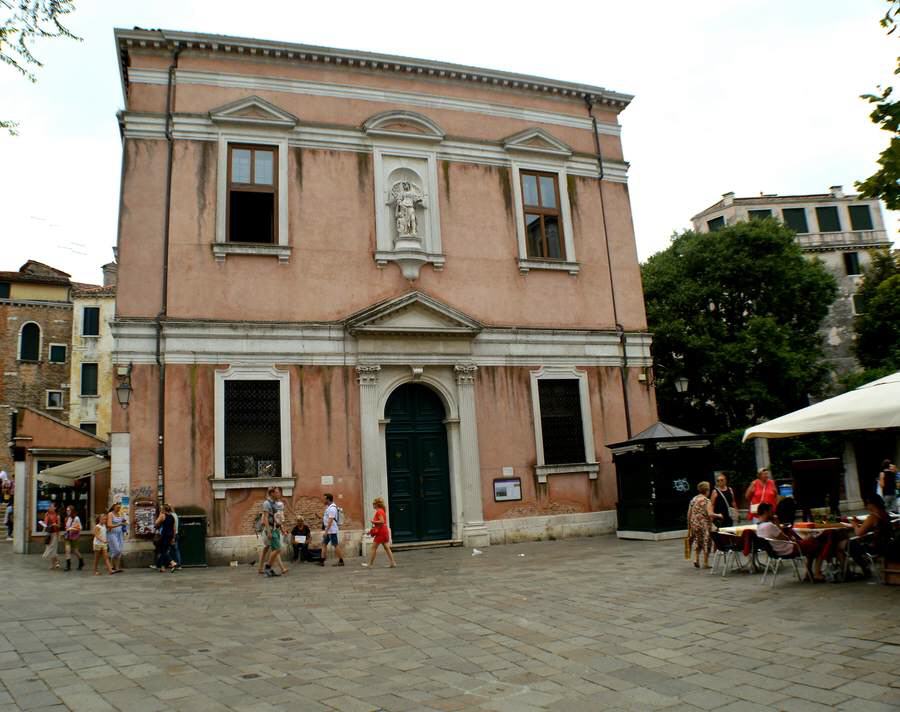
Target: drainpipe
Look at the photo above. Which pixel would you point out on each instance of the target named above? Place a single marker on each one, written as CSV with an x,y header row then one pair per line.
x,y
163,312
589,100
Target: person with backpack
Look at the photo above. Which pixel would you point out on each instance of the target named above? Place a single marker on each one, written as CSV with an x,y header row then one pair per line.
x,y
331,521
263,523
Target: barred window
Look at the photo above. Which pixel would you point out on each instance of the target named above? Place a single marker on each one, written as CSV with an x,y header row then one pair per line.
x,y
561,426
252,428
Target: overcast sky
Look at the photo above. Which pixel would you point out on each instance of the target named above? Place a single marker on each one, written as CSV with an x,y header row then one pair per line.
x,y
744,95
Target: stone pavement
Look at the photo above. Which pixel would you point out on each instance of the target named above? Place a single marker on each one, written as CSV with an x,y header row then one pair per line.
x,y
580,624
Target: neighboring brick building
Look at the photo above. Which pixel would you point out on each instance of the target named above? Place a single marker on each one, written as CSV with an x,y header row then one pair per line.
x,y
35,345
841,230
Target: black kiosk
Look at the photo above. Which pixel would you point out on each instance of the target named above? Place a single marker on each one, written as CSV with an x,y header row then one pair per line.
x,y
657,472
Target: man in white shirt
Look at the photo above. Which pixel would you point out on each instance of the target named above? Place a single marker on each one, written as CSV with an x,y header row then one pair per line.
x,y
330,525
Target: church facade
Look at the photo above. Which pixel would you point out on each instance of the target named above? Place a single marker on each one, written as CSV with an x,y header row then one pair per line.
x,y
372,276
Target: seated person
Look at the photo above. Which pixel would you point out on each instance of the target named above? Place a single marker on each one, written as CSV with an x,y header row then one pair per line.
x,y
879,522
301,549
786,512
785,545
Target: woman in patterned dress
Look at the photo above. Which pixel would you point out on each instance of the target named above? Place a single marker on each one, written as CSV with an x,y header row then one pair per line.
x,y
700,525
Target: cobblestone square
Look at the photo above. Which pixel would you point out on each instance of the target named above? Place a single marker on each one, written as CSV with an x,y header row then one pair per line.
x,y
579,624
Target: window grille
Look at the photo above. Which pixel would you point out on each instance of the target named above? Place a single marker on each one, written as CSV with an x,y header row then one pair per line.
x,y
252,429
561,426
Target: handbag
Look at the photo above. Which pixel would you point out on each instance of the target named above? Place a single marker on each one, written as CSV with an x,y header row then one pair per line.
x,y
687,547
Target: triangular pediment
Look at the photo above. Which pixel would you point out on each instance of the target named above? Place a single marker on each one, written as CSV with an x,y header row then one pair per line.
x,y
253,111
403,124
536,140
412,314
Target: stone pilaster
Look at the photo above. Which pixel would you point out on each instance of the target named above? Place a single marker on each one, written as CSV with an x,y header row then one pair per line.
x,y
371,436
474,532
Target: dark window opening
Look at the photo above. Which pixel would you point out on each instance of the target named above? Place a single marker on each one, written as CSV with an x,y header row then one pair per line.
x,y
561,427
89,379
252,194
54,400
829,220
851,263
716,223
90,324
252,428
57,353
89,428
861,217
795,218
760,214
859,304
4,290
30,343
543,222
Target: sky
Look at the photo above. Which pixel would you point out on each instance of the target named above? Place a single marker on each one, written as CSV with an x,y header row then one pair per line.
x,y
750,96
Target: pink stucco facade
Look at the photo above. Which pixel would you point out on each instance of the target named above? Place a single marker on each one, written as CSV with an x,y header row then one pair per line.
x,y
335,316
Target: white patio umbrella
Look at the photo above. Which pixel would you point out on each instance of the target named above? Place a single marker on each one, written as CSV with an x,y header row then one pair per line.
x,y
873,406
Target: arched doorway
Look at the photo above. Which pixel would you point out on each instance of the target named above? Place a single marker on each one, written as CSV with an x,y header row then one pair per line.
x,y
418,470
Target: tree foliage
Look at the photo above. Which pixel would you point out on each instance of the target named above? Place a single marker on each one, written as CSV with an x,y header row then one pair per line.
x,y
23,21
878,326
885,182
737,313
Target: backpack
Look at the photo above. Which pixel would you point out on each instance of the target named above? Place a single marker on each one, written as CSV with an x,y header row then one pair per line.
x,y
258,524
339,519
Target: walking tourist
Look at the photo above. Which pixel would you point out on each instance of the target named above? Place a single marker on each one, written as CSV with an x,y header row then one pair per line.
x,y
101,545
330,525
51,528
176,549
724,503
266,520
300,540
71,537
381,534
785,541
762,489
165,526
9,519
115,535
276,542
700,525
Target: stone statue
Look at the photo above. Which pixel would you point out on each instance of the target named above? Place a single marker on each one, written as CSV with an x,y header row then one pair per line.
x,y
406,196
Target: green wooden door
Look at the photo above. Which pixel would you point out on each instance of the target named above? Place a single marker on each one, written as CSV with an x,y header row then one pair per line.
x,y
417,465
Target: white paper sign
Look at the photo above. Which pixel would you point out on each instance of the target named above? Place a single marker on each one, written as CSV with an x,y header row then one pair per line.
x,y
299,539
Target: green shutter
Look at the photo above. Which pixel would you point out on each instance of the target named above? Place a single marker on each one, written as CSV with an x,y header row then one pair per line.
x,y
860,217
828,218
795,218
759,214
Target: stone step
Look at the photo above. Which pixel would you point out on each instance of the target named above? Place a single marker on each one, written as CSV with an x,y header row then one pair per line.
x,y
418,545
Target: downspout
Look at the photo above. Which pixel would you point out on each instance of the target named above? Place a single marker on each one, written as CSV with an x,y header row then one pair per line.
x,y
163,312
620,330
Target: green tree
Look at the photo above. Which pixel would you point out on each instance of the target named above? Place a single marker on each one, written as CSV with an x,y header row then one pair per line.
x,y
737,313
885,182
23,21
878,325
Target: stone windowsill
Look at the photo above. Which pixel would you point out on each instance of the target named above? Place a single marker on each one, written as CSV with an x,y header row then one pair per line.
x,y
543,471
526,266
220,485
435,259
222,249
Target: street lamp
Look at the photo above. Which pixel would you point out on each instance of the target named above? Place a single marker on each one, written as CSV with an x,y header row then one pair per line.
x,y
124,389
681,385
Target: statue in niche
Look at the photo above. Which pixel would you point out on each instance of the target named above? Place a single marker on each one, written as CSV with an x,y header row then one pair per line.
x,y
405,196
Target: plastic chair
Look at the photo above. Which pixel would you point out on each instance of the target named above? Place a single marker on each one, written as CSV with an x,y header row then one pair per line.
x,y
871,558
727,545
774,560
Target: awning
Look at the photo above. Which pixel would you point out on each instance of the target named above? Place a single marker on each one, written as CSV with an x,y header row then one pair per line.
x,y
68,472
873,406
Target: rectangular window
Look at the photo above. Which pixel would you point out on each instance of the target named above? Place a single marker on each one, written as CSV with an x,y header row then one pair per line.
x,y
829,220
57,353
759,214
89,428
715,224
543,221
90,321
252,428
851,263
795,218
561,426
4,290
252,194
54,400
78,494
89,379
860,217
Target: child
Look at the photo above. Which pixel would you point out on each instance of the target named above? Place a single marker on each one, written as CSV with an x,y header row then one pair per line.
x,y
277,534
71,536
101,545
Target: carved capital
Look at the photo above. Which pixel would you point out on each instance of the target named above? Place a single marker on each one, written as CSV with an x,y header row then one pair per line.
x,y
465,373
367,374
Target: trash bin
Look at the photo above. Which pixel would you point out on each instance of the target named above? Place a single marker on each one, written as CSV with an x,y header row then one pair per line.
x,y
192,539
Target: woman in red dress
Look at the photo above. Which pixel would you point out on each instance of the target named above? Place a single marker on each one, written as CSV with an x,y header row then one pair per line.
x,y
762,489
380,533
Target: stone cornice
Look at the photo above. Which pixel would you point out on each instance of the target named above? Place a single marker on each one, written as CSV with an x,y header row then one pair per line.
x,y
169,40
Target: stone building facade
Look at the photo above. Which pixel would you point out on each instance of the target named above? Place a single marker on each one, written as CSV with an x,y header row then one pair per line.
x,y
840,230
35,345
372,276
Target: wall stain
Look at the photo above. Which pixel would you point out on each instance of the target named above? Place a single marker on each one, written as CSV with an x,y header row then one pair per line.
x,y
300,384
326,397
298,167
572,185
363,163
445,170
203,171
506,189
346,378
193,419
